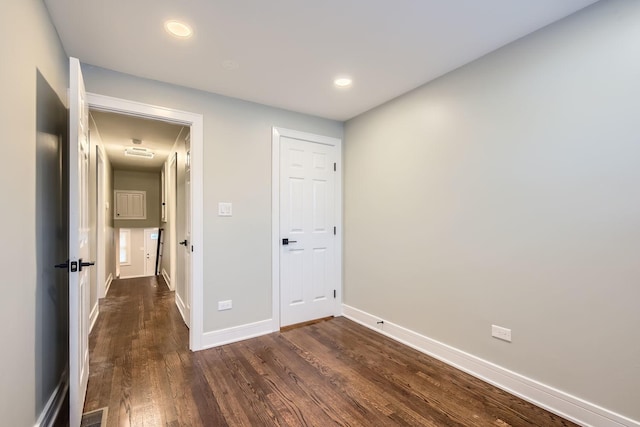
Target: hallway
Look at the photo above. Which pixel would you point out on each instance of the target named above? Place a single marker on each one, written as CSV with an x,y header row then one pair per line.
x,y
331,373
140,363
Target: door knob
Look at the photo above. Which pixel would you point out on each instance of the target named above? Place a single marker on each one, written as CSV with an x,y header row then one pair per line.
x,y
184,243
64,265
287,241
85,264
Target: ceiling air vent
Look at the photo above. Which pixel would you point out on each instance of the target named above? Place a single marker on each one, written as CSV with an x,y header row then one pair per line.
x,y
139,152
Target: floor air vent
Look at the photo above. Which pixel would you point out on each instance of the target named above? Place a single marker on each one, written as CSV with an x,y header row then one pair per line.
x,y
97,418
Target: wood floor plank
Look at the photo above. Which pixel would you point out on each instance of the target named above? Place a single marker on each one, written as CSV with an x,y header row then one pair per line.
x,y
327,373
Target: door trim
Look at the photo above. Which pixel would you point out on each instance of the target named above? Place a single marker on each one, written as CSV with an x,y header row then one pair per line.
x,y
195,121
277,133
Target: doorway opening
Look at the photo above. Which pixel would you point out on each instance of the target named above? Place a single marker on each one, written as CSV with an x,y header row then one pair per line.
x,y
144,155
133,196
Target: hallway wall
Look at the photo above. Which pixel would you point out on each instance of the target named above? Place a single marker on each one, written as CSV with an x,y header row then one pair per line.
x,y
138,180
108,237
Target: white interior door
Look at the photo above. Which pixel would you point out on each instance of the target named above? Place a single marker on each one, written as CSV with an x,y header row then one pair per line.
x,y
150,251
78,243
308,256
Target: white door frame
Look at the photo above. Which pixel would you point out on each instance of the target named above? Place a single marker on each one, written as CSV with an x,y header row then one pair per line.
x,y
275,214
195,121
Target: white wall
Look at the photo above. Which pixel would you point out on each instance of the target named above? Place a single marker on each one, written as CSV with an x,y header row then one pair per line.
x,y
108,236
24,390
237,159
506,193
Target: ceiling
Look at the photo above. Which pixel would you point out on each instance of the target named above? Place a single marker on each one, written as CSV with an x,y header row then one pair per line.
x,y
117,132
286,53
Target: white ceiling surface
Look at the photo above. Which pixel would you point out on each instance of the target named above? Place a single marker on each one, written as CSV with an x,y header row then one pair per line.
x,y
289,51
117,132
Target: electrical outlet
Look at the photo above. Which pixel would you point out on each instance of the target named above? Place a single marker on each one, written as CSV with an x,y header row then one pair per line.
x,y
501,333
224,305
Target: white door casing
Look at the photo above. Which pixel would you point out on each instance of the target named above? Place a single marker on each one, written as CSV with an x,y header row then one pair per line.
x,y
195,122
307,193
78,243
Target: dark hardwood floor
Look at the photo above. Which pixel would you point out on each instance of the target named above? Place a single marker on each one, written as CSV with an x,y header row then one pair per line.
x,y
334,372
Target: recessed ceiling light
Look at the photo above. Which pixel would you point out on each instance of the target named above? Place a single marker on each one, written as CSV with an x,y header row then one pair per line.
x,y
343,82
178,29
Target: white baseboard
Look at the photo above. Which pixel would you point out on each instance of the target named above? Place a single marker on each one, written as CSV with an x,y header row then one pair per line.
x,y
51,410
107,284
135,276
167,279
561,403
182,308
236,333
93,316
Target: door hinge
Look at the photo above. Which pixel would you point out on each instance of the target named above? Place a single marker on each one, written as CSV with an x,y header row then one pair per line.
x,y
191,248
334,293
334,230
335,167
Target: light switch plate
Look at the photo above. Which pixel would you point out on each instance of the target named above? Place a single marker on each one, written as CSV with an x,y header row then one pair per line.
x,y
224,209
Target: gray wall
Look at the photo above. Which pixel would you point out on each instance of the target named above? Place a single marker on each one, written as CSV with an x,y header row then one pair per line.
x,y
506,193
237,159
140,181
109,239
27,379
109,230
52,220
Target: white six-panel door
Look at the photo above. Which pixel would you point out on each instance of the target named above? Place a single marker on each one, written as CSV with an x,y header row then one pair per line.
x,y
308,262
78,243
